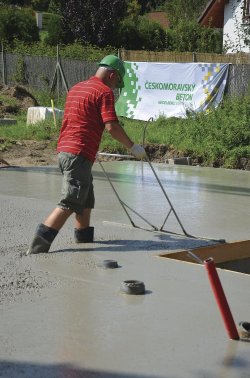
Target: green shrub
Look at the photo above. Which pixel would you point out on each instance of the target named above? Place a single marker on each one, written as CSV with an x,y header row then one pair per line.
x,y
18,24
190,36
40,5
232,158
220,137
54,29
54,6
19,75
73,51
141,35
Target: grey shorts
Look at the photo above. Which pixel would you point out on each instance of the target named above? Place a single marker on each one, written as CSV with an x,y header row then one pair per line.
x,y
77,187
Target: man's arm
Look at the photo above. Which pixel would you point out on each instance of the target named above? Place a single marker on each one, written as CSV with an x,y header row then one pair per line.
x,y
117,132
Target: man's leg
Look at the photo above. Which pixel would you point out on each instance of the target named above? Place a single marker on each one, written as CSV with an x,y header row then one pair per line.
x,y
83,220
57,218
75,170
47,231
83,232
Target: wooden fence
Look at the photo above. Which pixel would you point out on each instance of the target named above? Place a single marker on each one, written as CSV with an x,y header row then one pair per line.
x,y
182,57
38,72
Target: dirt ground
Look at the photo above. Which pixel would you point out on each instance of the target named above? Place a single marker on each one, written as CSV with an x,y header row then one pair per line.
x,y
28,153
41,153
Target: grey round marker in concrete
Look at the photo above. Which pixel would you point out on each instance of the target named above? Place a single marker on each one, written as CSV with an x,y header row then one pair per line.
x,y
133,287
108,264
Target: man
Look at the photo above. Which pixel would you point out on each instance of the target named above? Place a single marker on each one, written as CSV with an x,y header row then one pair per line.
x,y
89,109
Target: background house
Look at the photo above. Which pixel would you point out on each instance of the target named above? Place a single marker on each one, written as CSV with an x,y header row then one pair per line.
x,y
234,17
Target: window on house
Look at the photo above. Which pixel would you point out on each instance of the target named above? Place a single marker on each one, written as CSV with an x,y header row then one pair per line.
x,y
246,9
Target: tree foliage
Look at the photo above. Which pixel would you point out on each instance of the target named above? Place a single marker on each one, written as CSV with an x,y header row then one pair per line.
x,y
190,36
18,24
185,33
183,10
141,35
55,33
133,9
93,22
16,2
40,5
120,23
150,5
54,6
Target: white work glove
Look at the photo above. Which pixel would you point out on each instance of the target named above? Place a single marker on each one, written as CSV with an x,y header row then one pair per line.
x,y
138,151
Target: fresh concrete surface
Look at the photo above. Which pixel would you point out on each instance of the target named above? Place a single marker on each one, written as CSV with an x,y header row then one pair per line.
x,y
63,316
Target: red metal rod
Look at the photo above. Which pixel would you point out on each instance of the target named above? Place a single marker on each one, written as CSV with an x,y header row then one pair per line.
x,y
221,299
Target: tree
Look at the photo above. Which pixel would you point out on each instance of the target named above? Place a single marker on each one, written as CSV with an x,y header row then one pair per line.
x,y
141,35
18,24
94,22
40,5
55,34
55,6
180,10
185,33
16,2
149,5
190,36
133,9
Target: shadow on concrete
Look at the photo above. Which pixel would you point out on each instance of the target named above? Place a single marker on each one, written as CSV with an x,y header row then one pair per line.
x,y
231,366
9,369
134,245
44,169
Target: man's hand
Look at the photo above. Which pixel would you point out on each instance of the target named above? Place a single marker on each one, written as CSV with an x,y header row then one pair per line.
x,y
138,151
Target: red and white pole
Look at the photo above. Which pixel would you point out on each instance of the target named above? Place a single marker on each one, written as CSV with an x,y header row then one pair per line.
x,y
221,299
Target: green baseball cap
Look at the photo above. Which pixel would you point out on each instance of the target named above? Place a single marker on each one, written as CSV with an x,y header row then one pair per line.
x,y
117,64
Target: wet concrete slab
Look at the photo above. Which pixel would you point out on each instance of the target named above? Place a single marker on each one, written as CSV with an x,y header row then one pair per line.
x,y
62,315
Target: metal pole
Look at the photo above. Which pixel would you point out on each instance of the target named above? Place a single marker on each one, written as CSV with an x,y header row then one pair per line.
x,y
57,71
63,77
143,139
169,202
3,65
123,204
112,186
116,155
144,130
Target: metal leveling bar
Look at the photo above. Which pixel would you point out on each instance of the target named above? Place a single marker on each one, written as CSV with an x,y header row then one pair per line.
x,y
169,202
125,206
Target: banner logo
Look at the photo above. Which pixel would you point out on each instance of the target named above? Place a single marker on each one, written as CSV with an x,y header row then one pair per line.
x,y
170,89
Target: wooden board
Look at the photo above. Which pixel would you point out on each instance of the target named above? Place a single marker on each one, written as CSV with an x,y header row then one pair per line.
x,y
219,252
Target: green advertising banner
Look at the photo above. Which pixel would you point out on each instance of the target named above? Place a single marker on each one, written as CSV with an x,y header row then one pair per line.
x,y
170,89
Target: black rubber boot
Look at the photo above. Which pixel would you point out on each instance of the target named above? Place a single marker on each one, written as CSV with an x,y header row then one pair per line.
x,y
84,235
42,240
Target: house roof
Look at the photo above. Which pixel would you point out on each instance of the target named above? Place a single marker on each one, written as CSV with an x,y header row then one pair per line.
x,y
213,14
160,17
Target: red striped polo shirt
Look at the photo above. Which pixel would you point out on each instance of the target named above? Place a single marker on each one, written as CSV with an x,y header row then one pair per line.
x,y
89,105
